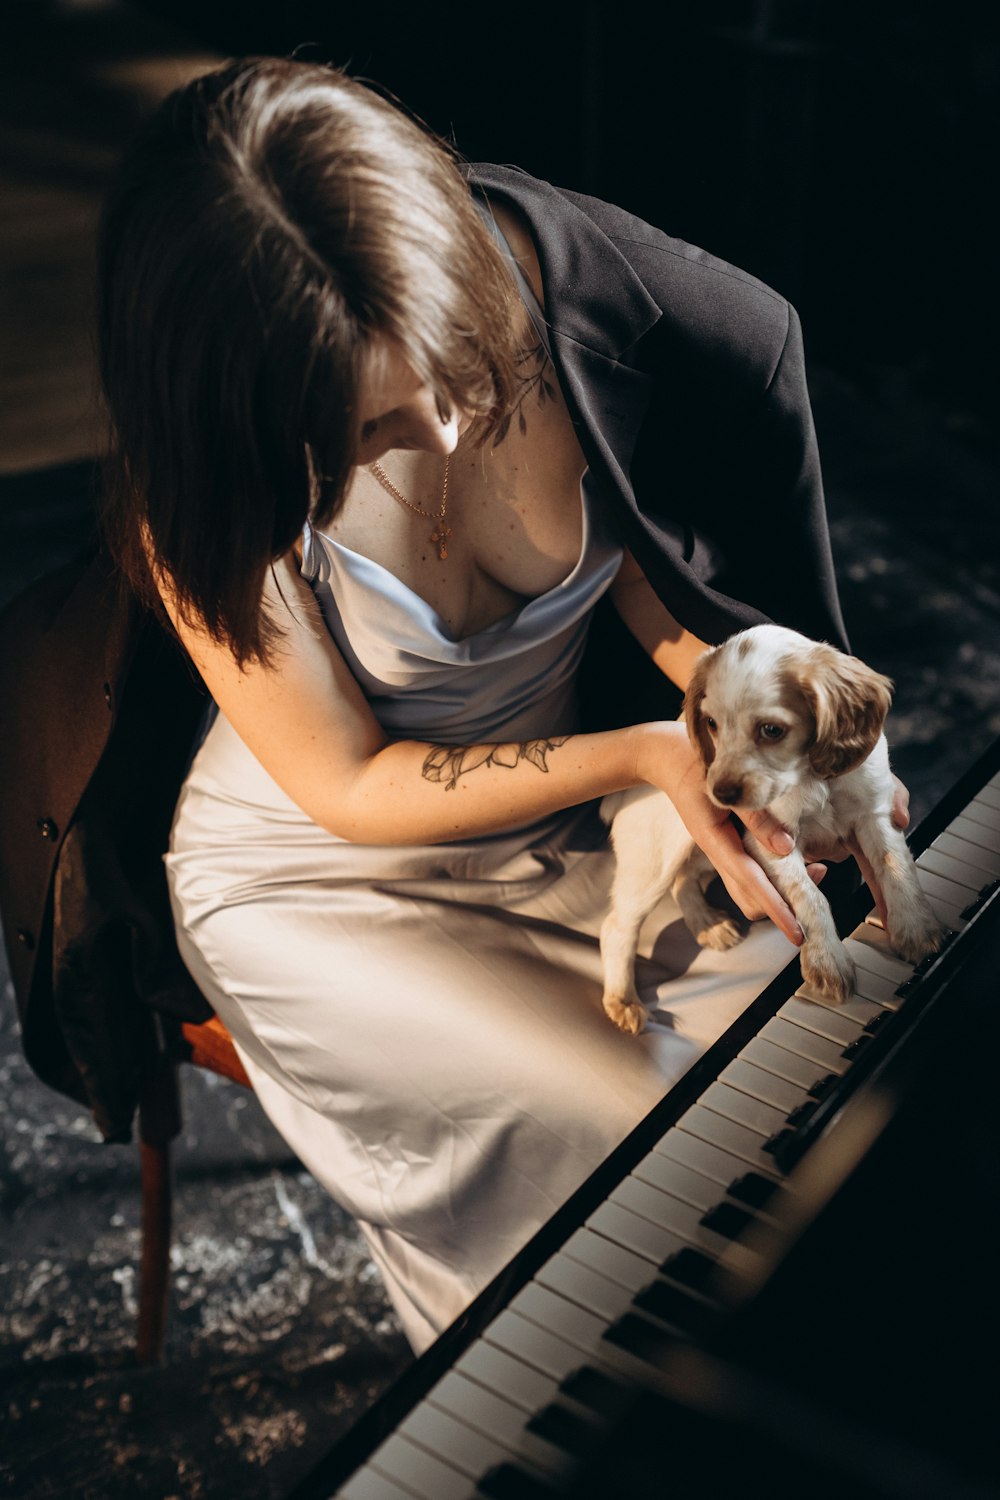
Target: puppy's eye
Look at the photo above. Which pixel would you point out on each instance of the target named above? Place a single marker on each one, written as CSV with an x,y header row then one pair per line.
x,y
772,732
709,722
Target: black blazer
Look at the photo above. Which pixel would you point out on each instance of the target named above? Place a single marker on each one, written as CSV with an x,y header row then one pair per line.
x,y
686,382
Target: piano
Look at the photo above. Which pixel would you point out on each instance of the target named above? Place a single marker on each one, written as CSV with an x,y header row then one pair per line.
x,y
783,1282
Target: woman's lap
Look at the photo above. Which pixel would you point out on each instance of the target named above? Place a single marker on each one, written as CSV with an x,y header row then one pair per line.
x,y
424,1026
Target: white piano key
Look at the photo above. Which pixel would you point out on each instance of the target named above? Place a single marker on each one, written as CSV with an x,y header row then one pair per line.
x,y
722,1167
800,1070
742,1074
566,1319
985,861
417,1470
518,1382
575,1326
718,1131
623,1227
980,832
670,1177
827,1054
875,987
669,1213
537,1348
983,814
825,1020
763,1118
855,1008
869,948
452,1442
584,1286
945,896
610,1259
990,794
489,1414
942,863
368,1484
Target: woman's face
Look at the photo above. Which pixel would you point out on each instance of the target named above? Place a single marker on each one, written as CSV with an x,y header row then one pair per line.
x,y
399,411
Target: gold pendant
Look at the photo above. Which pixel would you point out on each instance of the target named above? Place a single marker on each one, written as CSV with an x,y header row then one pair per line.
x,y
440,535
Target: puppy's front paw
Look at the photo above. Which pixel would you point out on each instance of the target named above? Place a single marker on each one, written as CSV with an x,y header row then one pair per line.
x,y
913,943
828,972
628,1015
723,933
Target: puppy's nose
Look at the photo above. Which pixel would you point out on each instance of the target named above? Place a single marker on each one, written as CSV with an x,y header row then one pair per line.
x,y
728,792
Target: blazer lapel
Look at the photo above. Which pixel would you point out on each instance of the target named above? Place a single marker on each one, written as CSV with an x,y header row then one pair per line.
x,y
598,308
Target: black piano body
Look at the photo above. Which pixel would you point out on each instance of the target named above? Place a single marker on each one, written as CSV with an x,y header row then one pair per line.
x,y
784,1280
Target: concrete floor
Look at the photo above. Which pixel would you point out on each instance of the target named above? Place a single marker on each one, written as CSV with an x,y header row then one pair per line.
x,y
281,1334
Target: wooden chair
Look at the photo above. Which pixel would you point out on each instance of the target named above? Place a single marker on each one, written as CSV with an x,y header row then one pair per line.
x,y
204,1045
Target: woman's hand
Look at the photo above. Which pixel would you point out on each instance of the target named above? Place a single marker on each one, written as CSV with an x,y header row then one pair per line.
x,y
669,761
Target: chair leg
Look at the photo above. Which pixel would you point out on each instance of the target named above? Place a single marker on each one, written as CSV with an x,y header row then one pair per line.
x,y
159,1123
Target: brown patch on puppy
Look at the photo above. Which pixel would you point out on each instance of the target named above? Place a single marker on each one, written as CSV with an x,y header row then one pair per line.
x,y
848,702
697,732
744,646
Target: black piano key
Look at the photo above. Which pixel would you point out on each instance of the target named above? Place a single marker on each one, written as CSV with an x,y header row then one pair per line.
x,y
640,1338
980,901
877,1022
752,1188
563,1428
595,1389
727,1219
508,1482
784,1146
692,1268
824,1086
674,1305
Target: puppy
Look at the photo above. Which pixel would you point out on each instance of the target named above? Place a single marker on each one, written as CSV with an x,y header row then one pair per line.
x,y
794,726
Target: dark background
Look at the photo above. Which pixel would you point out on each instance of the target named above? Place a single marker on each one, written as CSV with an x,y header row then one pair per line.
x,y
842,151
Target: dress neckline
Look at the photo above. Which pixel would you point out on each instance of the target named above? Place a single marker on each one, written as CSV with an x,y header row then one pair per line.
x,y
360,563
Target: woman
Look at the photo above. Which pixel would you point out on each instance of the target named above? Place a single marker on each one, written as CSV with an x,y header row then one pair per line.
x,y
384,434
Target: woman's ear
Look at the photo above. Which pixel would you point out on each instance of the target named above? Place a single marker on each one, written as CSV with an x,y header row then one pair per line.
x,y
697,732
849,702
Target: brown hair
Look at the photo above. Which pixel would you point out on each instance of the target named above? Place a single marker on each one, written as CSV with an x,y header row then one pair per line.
x,y
271,222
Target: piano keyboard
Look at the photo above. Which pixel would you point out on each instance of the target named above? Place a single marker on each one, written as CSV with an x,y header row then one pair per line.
x,y
645,1268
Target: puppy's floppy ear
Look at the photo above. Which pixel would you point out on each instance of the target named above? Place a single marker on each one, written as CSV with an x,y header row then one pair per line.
x,y
848,701
697,733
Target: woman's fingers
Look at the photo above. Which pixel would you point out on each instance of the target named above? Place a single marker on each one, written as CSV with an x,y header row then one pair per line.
x,y
764,826
747,882
816,872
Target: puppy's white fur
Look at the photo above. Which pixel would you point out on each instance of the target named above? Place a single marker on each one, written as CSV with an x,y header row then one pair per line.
x,y
794,726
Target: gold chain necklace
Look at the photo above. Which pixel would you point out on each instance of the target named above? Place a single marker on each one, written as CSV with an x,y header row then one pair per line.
x,y
442,530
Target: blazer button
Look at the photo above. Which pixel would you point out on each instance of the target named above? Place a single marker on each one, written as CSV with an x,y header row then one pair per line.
x,y
107,693
25,938
47,828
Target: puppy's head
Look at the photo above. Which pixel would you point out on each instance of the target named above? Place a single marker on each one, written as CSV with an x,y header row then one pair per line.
x,y
770,709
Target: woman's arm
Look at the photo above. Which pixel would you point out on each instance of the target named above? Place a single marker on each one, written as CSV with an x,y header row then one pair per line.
x,y
673,649
306,720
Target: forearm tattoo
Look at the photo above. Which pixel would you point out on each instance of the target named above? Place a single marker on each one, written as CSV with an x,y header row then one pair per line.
x,y
448,762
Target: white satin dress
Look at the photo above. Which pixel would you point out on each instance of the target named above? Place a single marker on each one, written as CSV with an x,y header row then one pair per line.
x,y
424,1025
